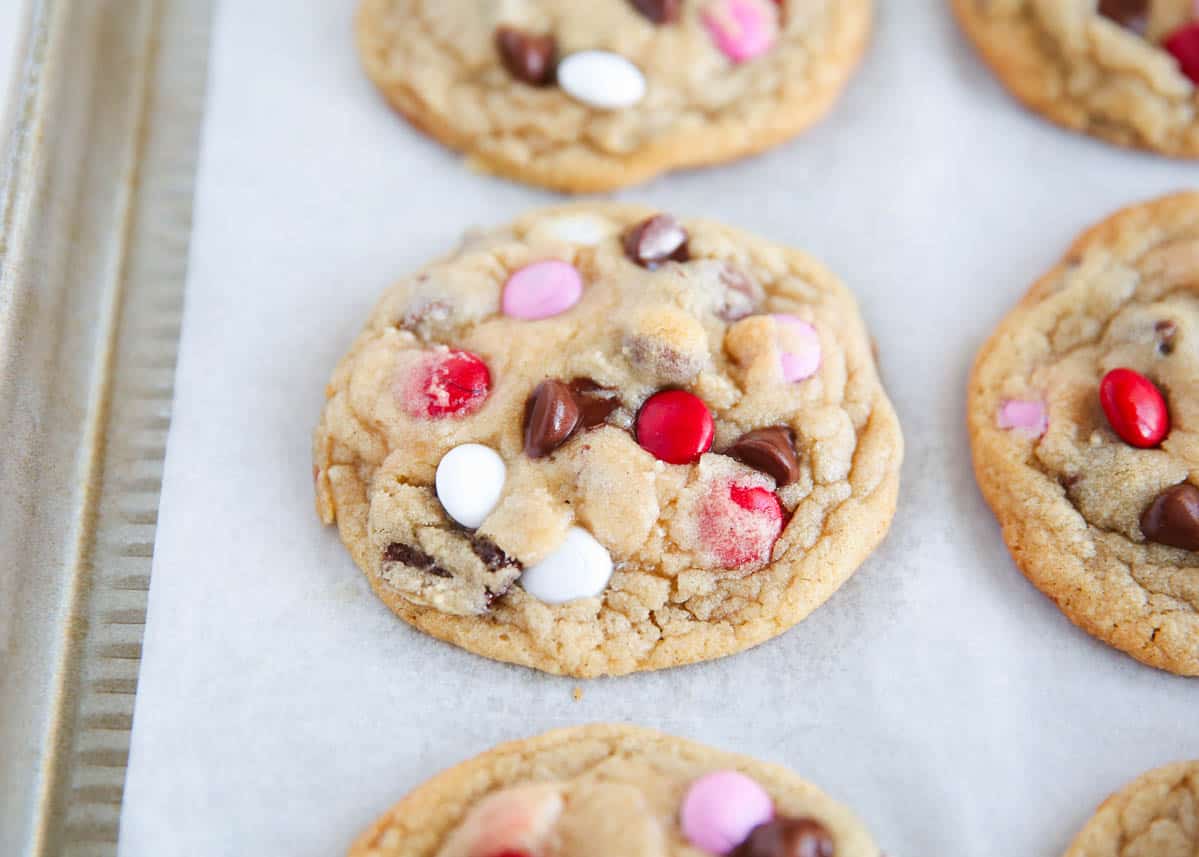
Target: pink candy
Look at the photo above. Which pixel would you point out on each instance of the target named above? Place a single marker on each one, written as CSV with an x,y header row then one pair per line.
x,y
517,820
1025,415
720,810
742,29
739,524
542,290
800,346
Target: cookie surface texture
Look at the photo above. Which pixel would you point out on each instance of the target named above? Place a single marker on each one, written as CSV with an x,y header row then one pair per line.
x,y
1084,420
591,95
602,440
1156,815
1121,70
606,789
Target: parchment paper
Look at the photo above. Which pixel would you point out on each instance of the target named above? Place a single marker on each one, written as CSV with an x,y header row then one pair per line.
x,y
281,707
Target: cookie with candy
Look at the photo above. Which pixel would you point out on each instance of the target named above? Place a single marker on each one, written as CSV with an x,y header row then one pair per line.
x,y
603,439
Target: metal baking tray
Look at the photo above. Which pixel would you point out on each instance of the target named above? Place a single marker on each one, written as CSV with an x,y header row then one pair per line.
x,y
95,211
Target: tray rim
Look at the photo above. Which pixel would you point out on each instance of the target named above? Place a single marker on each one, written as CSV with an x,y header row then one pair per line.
x,y
95,206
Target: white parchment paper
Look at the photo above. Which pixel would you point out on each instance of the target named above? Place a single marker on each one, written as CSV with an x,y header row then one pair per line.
x,y
281,707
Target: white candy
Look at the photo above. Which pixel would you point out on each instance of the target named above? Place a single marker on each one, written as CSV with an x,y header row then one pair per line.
x,y
578,568
470,480
601,79
584,229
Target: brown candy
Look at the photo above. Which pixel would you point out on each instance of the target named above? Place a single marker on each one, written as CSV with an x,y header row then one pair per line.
x,y
655,241
1166,330
1173,518
770,450
551,416
659,11
595,403
1133,14
528,57
414,557
787,837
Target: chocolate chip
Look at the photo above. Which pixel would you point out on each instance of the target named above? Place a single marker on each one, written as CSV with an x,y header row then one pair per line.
x,y
551,416
595,403
1166,330
1173,518
659,11
528,57
1133,14
414,557
657,240
770,450
787,837
492,555
742,295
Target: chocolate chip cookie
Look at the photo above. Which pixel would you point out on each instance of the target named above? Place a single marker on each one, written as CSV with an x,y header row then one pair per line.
x,y
1084,418
603,440
589,95
1156,815
1122,70
617,790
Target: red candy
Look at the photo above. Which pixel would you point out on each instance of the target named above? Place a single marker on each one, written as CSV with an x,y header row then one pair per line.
x,y
1183,43
448,384
1134,407
743,531
675,427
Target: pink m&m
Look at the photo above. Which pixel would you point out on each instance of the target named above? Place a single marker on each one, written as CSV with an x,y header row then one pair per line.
x,y
742,29
1024,415
542,290
721,808
799,344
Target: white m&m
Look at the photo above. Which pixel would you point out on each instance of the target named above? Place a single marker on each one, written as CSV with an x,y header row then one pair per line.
x,y
580,567
601,79
470,480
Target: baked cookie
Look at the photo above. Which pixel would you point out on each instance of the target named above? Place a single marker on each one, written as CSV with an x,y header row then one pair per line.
x,y
590,95
1156,815
1122,70
1084,417
600,440
618,790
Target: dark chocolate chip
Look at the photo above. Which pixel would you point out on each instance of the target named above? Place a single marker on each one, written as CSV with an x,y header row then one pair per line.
x,y
655,241
492,554
1166,330
770,450
595,403
528,57
551,417
659,11
787,837
414,557
1133,14
1173,518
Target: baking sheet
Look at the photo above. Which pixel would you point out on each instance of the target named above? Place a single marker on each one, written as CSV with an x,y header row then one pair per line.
x,y
281,707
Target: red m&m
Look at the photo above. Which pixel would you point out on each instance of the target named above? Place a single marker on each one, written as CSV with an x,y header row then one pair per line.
x,y
447,384
675,426
1183,44
1135,408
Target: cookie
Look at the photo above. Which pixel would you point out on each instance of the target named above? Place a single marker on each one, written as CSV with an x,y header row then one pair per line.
x,y
1084,419
1156,815
592,95
602,440
604,789
1121,70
